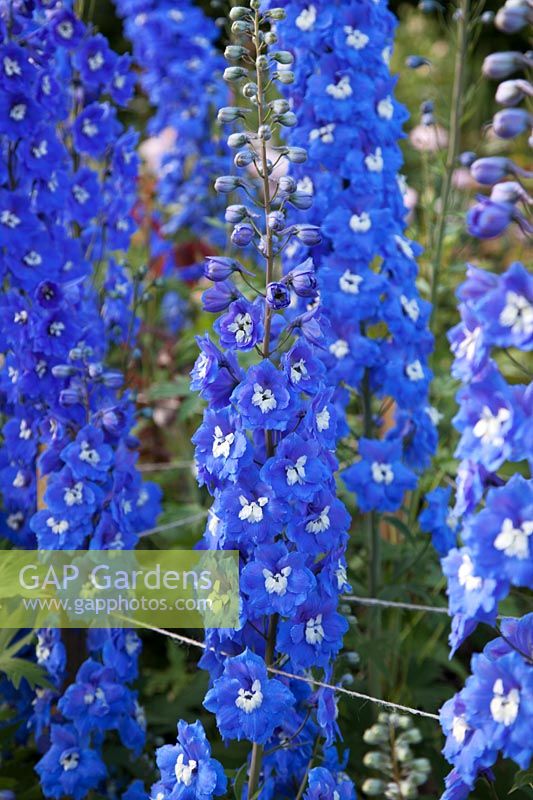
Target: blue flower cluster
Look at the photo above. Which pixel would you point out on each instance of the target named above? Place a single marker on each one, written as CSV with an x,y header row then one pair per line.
x,y
181,76
378,342
266,453
488,717
67,461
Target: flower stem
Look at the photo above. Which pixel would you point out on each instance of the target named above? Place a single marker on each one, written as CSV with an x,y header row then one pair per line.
x,y
257,749
372,535
453,148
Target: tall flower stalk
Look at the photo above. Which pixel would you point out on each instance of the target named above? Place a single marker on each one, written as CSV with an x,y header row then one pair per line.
x,y
265,451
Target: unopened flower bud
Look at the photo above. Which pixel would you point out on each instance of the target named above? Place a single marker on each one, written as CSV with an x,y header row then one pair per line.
x,y
302,279
239,12
270,38
277,13
233,74
511,122
261,63
226,183
242,234
488,219
63,371
236,213
309,235
234,52
510,93
297,155
241,26
230,114
113,379
243,158
376,760
301,200
236,140
509,192
377,734
70,396
373,787
283,57
289,119
467,158
487,18
219,268
415,62
490,170
264,133
250,90
501,65
514,15
285,76
95,370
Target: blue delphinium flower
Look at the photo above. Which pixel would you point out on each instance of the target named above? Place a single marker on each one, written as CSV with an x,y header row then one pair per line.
x,y
247,703
187,770
70,766
379,479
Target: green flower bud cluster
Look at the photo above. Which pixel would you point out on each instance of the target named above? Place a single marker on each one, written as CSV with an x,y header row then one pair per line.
x,y
401,773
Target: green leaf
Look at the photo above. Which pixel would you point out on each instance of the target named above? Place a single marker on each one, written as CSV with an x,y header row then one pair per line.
x,y
399,525
522,779
18,668
240,781
179,387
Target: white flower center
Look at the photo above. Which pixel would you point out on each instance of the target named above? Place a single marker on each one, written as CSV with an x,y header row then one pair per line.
x,y
341,90
249,700
414,371
184,772
24,430
467,347
19,480
382,473
504,707
305,184
314,632
306,20
81,195
517,314
489,426
252,511
222,443
320,523
65,29
276,583
242,327
18,112
466,577
89,128
460,728
263,399
11,67
96,61
296,472
69,760
56,329
339,348
374,161
360,223
33,259
21,317
324,133
404,246
9,219
15,520
298,371
386,108
410,307
514,541
355,38
89,454
323,419
73,496
349,282
57,526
